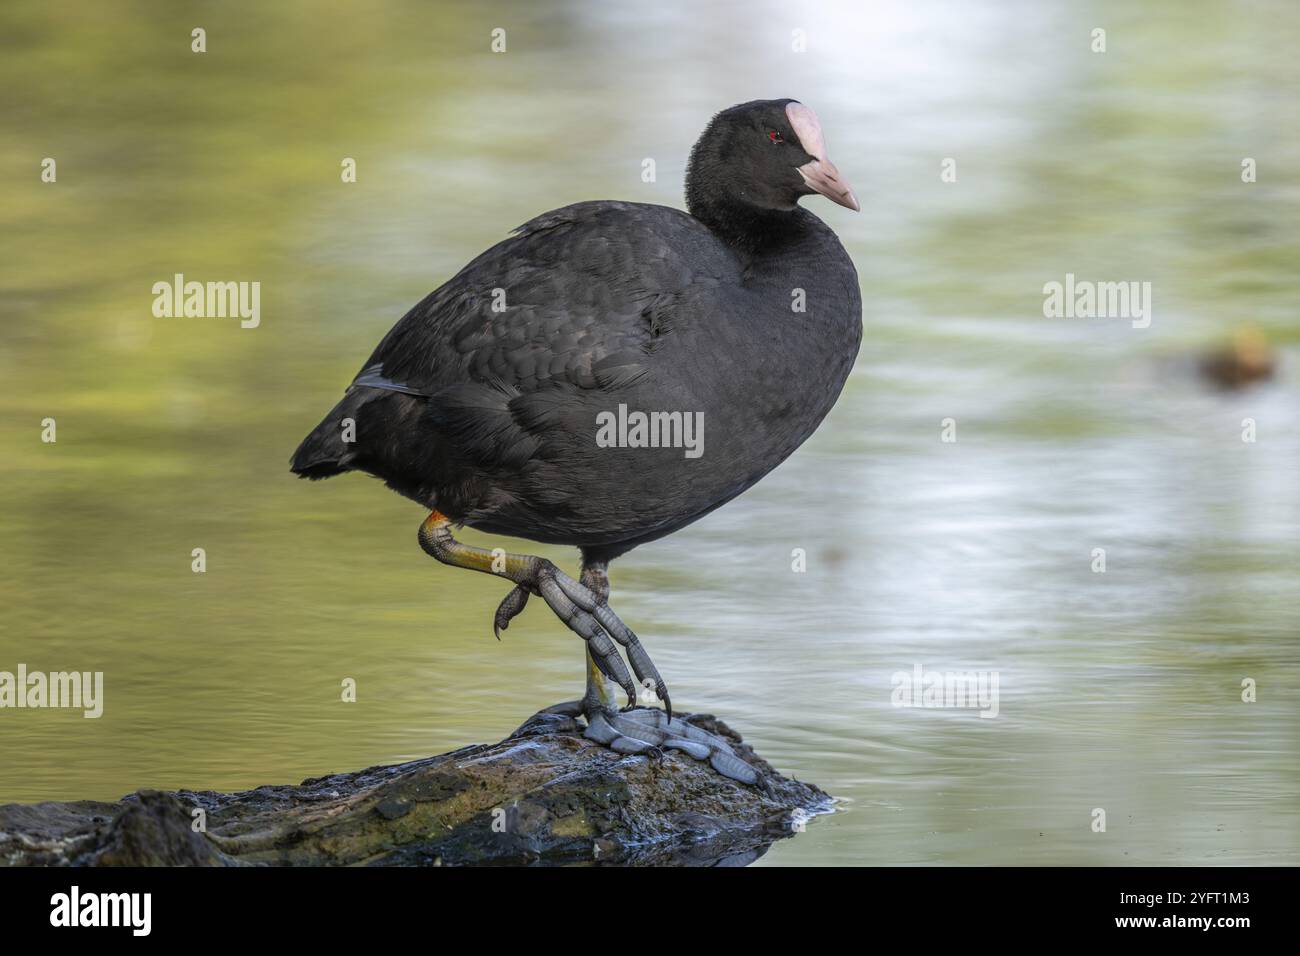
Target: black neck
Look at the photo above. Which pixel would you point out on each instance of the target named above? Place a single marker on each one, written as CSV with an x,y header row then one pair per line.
x,y
746,228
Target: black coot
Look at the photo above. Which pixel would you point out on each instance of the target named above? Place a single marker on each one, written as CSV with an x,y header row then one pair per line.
x,y
609,374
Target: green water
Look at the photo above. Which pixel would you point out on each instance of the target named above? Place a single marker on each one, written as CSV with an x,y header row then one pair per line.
x,y
1118,690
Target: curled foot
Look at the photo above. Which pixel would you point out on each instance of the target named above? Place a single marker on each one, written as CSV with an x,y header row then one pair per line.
x,y
586,614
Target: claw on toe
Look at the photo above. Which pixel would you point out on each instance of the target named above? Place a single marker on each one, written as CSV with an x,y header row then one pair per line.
x,y
587,613
510,605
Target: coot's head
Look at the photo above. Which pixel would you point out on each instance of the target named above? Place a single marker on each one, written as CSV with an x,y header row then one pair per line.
x,y
763,156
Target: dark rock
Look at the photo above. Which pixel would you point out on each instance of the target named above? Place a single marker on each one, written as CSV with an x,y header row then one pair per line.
x,y
543,795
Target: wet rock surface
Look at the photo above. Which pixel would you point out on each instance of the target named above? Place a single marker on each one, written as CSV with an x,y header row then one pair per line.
x,y
544,795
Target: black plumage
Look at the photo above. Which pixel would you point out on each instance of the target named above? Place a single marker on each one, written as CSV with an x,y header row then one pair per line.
x,y
482,401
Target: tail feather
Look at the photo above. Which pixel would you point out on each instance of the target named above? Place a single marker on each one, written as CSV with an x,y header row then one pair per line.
x,y
324,453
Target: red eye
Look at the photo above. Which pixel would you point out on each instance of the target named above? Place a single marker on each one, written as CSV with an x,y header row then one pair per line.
x,y
774,136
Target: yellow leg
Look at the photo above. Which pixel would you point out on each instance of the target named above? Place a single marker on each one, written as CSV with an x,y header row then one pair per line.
x,y
600,689
437,540
580,604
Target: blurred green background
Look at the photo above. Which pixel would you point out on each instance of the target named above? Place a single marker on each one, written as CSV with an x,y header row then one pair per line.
x,y
1119,690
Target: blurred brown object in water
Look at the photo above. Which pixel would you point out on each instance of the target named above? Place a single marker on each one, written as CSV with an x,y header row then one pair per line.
x,y
1245,358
